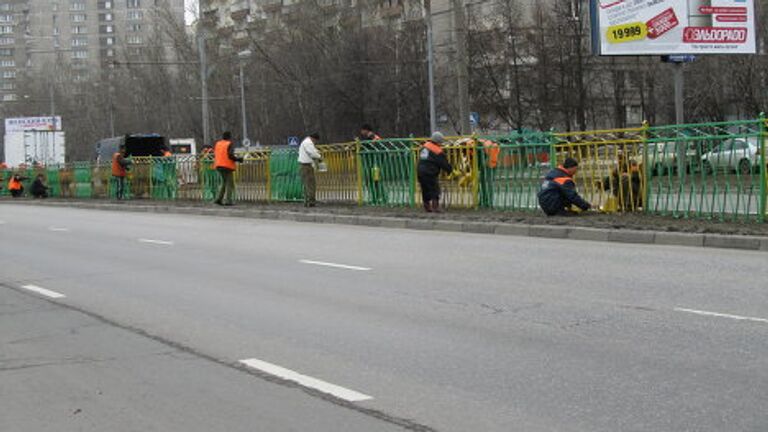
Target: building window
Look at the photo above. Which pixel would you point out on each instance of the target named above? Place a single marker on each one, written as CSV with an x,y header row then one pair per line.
x,y
133,4
134,28
107,29
7,63
9,74
78,17
79,42
6,18
6,7
6,29
8,86
7,41
105,5
134,40
77,5
6,52
135,15
106,17
79,29
80,54
9,97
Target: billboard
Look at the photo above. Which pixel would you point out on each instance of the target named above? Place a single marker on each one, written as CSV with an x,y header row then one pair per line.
x,y
659,27
24,124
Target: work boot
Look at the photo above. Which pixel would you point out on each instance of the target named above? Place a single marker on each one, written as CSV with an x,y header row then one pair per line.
x,y
428,206
435,204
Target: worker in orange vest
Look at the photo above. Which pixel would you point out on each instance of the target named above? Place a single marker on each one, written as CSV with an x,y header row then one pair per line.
x,y
432,160
15,187
225,163
120,166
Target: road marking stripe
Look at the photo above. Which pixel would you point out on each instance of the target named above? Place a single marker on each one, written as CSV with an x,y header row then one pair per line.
x,y
43,291
306,381
58,229
341,266
721,315
157,242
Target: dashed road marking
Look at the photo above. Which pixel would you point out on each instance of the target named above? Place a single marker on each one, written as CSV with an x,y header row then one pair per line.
x,y
43,291
306,381
334,265
157,242
58,229
721,315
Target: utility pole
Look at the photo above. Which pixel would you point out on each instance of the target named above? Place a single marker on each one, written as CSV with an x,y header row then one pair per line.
x,y
201,36
462,66
430,66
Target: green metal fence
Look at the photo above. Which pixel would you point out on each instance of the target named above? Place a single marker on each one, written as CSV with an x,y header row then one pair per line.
x,y
705,171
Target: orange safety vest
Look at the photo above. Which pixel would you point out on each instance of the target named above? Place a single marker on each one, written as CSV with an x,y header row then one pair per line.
x,y
14,184
221,155
167,154
117,169
563,180
492,150
434,148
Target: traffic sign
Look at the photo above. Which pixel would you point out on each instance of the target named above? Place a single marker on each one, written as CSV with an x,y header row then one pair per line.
x,y
293,141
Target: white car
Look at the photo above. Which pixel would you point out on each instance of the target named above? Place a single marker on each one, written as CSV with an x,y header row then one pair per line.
x,y
736,155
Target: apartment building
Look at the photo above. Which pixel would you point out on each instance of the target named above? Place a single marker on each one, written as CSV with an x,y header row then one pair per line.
x,y
40,36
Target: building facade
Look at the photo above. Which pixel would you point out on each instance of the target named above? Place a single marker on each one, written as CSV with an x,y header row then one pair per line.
x,y
86,36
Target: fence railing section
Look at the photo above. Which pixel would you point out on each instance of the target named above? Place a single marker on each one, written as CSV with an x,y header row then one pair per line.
x,y
710,170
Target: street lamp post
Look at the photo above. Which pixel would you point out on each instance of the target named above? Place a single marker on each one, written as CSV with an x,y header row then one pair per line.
x,y
427,11
244,56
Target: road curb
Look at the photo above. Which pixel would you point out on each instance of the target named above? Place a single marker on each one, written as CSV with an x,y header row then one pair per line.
x,y
712,241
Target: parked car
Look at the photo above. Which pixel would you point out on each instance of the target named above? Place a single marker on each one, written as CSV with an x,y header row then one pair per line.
x,y
736,155
663,157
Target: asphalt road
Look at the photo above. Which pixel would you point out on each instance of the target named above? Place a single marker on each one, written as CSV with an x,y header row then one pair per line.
x,y
409,330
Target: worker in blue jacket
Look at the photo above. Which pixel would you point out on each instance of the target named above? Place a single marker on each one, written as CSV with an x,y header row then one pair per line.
x,y
558,192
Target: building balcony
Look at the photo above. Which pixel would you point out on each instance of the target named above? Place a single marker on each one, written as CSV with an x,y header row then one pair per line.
x,y
241,39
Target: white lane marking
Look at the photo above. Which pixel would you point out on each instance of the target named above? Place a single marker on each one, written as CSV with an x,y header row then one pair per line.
x,y
43,291
157,242
341,266
58,229
721,315
306,381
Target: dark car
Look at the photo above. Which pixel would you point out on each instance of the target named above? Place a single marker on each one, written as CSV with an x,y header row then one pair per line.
x,y
136,145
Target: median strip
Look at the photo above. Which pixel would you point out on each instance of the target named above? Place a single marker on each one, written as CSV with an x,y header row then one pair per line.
x,y
306,381
43,291
721,315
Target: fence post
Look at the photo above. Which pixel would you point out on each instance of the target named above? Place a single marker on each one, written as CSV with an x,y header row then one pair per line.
x,y
763,169
646,179
478,148
552,148
359,163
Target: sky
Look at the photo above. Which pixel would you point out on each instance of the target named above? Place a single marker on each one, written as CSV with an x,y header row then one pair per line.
x,y
191,8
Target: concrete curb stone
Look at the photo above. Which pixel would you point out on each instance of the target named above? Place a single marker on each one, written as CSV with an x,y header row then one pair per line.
x,y
446,225
478,227
588,234
679,239
559,232
638,237
513,230
732,242
419,224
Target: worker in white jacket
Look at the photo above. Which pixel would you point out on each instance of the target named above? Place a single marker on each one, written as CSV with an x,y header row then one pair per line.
x,y
308,157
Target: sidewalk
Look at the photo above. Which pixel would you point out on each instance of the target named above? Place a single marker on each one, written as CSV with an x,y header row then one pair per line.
x,y
621,228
